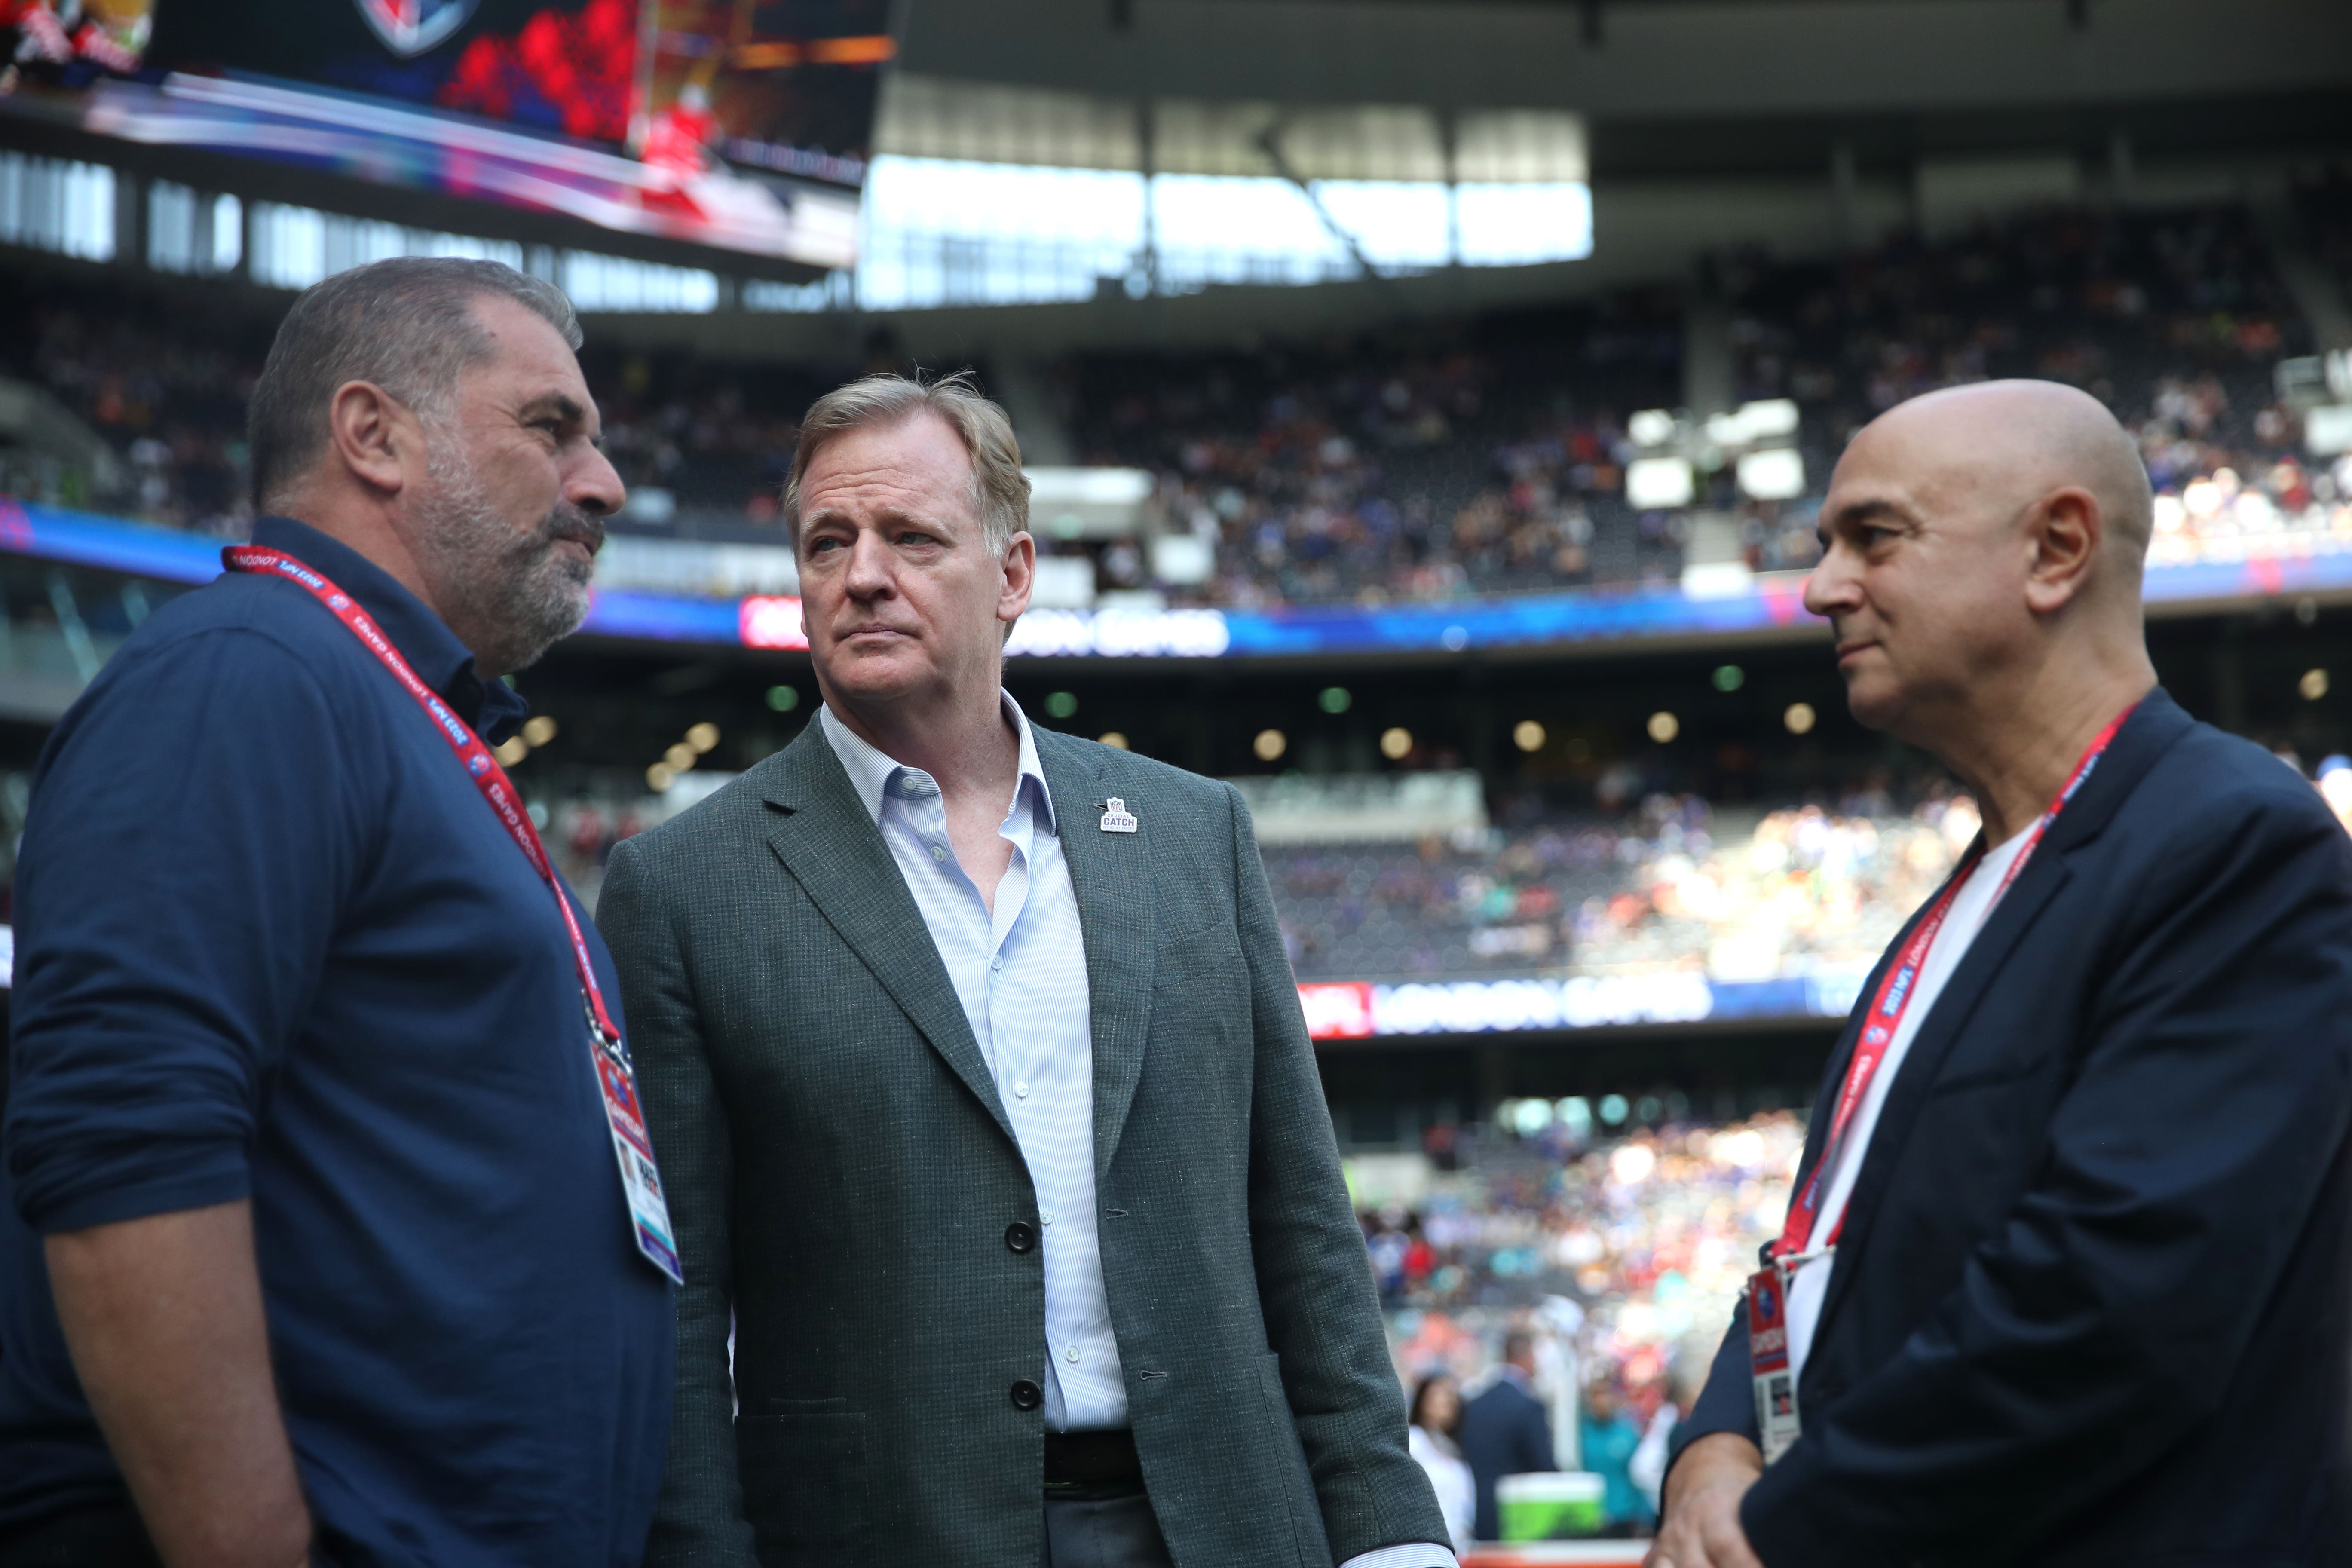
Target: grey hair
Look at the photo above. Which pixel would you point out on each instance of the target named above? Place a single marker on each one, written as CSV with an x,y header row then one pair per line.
x,y
1000,489
407,324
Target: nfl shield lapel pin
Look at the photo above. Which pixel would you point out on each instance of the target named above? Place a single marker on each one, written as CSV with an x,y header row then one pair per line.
x,y
1116,817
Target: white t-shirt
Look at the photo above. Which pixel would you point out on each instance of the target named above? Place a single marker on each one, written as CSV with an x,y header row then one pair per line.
x,y
1450,1478
1810,1285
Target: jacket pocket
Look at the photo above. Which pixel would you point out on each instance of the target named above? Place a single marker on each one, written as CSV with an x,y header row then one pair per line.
x,y
1186,957
804,1482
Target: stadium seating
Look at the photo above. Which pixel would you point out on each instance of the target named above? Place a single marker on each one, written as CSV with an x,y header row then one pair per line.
x,y
1429,461
1788,891
1671,885
1420,463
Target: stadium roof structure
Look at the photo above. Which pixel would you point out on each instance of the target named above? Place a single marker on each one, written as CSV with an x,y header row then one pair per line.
x,y
929,116
1701,87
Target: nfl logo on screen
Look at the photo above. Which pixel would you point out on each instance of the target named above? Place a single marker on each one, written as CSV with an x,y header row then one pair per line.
x,y
409,28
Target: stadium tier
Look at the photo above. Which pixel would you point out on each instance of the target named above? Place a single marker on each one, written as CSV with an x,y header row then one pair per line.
x,y
1442,486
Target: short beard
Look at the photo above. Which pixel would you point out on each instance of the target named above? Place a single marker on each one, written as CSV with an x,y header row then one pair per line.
x,y
508,596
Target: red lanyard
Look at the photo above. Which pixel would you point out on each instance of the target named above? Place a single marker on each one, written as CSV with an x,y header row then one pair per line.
x,y
1893,999
480,766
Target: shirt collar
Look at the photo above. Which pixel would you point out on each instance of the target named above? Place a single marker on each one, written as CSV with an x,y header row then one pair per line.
x,y
871,770
493,708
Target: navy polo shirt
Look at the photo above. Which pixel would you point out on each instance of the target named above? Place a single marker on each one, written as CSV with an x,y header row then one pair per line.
x,y
273,944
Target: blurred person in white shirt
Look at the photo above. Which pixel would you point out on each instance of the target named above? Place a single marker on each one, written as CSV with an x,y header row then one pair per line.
x,y
1436,1411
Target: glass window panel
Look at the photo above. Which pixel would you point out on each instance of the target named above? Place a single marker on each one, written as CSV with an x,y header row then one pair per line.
x,y
1513,224
1398,223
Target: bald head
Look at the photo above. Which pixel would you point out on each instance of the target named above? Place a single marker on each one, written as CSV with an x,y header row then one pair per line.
x,y
1977,542
2015,442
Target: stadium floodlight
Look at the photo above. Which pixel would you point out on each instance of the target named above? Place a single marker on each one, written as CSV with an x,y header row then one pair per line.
x,y
1768,418
1653,484
1182,559
2328,431
1062,583
1772,418
1651,427
1088,503
1776,473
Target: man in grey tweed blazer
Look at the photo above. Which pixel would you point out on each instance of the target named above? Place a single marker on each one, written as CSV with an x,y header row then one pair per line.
x,y
997,1132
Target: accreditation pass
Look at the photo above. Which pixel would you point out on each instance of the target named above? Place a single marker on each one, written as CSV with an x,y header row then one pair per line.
x,y
640,1179
1768,1354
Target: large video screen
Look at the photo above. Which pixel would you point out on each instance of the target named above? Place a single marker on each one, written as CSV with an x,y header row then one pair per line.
x,y
742,124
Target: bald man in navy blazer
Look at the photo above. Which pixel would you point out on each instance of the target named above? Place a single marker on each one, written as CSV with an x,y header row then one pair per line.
x,y
2075,1286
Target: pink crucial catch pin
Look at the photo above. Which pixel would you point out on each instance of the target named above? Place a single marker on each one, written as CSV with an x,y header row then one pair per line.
x,y
1116,817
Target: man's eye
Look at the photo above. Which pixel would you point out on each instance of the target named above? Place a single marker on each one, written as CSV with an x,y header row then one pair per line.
x,y
912,537
819,546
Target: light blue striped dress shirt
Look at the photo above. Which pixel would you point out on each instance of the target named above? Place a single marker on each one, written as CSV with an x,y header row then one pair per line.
x,y
1021,974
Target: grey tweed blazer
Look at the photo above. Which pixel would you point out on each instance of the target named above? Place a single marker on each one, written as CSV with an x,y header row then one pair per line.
x,y
841,1175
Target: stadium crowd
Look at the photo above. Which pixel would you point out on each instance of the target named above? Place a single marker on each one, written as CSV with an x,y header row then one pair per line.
x,y
1671,886
1422,462
1625,1247
2175,321
1400,464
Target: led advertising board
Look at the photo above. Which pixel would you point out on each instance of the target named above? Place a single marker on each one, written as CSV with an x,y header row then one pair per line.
x,y
738,124
2284,564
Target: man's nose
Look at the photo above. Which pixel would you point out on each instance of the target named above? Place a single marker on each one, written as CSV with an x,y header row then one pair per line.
x,y
869,575
593,485
1829,586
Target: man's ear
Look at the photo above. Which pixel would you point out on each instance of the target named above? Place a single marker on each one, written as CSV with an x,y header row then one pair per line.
x,y
372,435
2066,529
1020,578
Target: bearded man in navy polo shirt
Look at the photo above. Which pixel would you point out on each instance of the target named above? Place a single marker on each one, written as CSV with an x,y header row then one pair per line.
x,y
318,1084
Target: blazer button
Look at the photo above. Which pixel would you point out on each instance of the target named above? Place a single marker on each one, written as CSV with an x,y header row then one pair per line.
x,y
1021,1236
1027,1395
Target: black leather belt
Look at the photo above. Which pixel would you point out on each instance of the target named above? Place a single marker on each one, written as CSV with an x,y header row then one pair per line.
x,y
1091,1459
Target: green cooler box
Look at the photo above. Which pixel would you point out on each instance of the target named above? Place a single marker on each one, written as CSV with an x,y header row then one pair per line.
x,y
1549,1506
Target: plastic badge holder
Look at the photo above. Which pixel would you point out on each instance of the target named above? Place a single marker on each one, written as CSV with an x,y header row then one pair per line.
x,y
1552,1506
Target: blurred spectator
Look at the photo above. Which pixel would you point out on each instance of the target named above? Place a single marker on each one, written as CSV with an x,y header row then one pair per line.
x,y
1505,1431
1687,1374
1608,1437
1436,1415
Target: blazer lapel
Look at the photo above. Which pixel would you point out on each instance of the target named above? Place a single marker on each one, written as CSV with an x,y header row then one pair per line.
x,y
1938,1032
2151,731
1111,874
824,838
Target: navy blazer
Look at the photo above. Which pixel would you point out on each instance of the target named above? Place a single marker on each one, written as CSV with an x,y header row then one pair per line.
x,y
1505,1431
2094,1295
